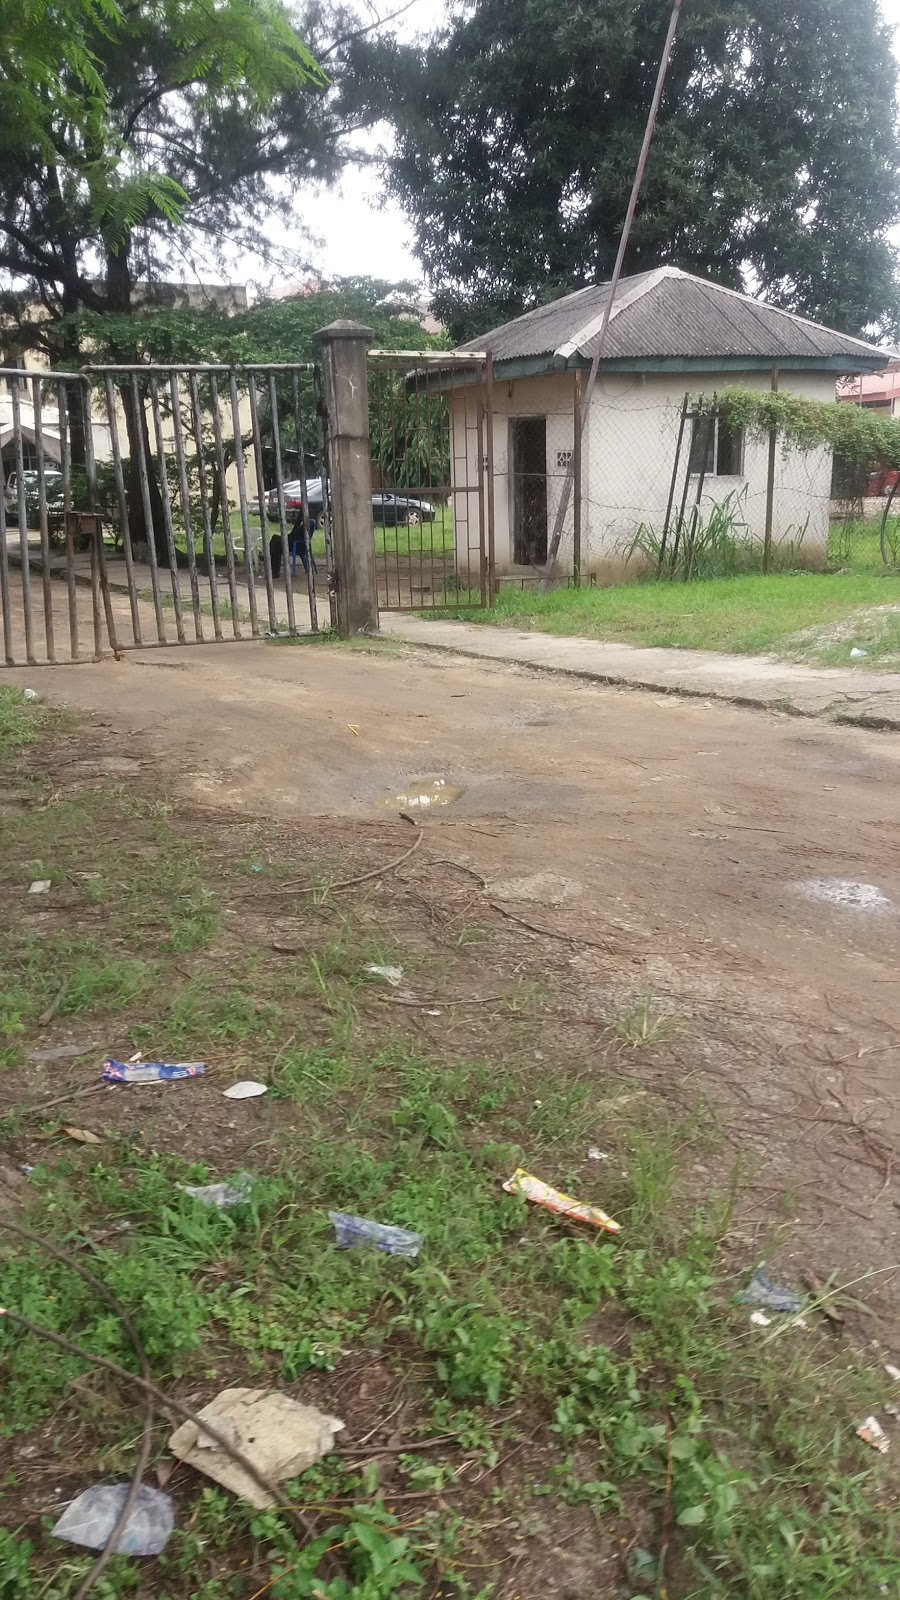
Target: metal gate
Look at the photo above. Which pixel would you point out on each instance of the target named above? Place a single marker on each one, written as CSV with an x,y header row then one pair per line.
x,y
155,505
432,451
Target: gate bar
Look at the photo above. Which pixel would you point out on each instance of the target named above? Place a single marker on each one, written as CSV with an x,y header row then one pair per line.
x,y
66,464
304,505
197,429
98,552
137,406
122,498
263,510
23,524
184,493
167,508
8,656
242,500
223,505
279,485
42,518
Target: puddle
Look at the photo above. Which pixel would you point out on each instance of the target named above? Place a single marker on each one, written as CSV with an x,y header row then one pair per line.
x,y
424,796
847,894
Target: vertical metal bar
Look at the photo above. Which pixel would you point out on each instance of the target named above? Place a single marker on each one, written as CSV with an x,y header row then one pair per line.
x,y
321,428
185,496
489,429
304,503
23,523
163,467
98,551
137,406
576,486
122,498
223,505
685,404
5,613
770,485
65,454
263,513
279,486
42,517
95,601
242,500
696,417
429,471
479,457
204,505
691,540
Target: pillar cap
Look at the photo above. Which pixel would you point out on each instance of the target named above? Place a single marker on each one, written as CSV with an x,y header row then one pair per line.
x,y
343,329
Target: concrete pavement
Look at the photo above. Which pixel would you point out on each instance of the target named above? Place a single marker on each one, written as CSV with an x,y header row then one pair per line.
x,y
869,699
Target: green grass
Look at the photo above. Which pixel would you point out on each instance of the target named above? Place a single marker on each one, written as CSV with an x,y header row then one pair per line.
x,y
603,1368
748,615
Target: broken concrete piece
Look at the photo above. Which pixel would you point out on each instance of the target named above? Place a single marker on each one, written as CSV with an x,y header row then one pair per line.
x,y
279,1435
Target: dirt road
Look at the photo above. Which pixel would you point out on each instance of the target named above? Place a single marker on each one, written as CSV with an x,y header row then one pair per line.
x,y
741,867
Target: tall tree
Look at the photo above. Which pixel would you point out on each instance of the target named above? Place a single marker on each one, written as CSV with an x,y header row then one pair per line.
x,y
775,163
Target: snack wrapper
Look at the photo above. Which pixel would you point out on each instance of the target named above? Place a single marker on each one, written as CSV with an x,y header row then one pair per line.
x,y
535,1189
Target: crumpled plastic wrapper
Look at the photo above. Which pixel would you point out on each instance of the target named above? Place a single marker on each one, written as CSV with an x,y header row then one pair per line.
x,y
90,1520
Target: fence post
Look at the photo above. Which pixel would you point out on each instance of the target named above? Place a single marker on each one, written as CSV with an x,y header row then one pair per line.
x,y
576,487
343,345
770,485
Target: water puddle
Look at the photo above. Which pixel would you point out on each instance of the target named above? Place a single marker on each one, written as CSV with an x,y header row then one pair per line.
x,y
846,894
423,796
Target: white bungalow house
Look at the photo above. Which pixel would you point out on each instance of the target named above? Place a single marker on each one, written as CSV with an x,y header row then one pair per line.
x,y
670,334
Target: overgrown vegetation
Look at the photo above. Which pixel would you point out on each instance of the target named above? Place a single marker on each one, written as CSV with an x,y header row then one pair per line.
x,y
547,1385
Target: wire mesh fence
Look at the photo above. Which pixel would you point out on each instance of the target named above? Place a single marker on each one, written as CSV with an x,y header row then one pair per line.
x,y
668,484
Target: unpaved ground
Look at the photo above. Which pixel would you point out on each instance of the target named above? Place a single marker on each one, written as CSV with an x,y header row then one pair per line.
x,y
689,836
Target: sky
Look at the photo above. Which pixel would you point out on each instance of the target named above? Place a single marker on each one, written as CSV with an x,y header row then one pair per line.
x,y
362,233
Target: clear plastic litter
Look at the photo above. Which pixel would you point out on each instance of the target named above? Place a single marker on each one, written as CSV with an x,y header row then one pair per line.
x,y
247,1089
595,1154
149,1071
892,1371
391,975
871,1432
761,1291
221,1195
90,1519
350,1230
40,886
280,1436
30,694
541,1194
760,1320
856,654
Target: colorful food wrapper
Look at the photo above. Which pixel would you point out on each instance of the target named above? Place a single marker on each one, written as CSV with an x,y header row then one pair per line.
x,y
532,1188
149,1071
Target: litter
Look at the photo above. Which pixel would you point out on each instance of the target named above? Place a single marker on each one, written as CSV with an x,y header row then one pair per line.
x,y
597,1155
871,1432
90,1520
760,1320
391,975
254,867
350,1230
40,886
29,694
245,1090
542,1194
892,1410
761,1291
149,1071
220,1194
856,654
892,1372
83,1135
281,1437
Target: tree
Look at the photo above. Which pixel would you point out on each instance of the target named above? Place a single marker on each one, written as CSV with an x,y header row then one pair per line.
x,y
197,124
774,165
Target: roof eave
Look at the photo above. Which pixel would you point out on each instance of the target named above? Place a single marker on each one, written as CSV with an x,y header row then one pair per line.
x,y
533,366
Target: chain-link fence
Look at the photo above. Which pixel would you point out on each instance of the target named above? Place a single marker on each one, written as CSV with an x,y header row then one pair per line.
x,y
672,483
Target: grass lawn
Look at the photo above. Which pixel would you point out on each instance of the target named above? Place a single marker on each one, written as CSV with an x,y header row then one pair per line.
x,y
523,1384
749,615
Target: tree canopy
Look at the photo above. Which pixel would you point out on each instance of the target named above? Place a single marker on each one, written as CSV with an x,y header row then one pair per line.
x,y
775,162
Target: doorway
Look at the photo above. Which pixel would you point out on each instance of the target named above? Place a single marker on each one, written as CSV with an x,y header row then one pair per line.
x,y
529,458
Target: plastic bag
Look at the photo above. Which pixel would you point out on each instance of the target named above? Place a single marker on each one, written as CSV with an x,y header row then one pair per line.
x,y
90,1519
349,1230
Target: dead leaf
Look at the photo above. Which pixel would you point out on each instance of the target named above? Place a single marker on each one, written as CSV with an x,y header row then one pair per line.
x,y
83,1135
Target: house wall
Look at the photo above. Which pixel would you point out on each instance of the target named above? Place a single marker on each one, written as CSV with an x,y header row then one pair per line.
x,y
628,453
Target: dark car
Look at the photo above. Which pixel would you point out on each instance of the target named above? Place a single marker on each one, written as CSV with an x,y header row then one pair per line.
x,y
53,492
388,510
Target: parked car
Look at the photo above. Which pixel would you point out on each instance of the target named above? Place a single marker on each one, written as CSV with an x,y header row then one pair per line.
x,y
53,490
388,510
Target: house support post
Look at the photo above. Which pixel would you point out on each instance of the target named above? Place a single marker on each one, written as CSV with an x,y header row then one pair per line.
x,y
346,398
770,485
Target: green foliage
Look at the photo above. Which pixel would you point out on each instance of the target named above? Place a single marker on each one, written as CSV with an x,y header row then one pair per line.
x,y
709,542
775,152
856,435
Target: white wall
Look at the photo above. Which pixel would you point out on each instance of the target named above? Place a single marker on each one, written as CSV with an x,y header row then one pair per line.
x,y
627,460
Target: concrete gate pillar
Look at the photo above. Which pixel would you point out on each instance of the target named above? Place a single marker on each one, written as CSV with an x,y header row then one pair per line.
x,y
343,345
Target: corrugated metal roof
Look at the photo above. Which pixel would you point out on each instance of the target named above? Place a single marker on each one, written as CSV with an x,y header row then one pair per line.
x,y
668,314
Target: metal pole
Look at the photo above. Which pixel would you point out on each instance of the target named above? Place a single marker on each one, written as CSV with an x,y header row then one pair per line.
x,y
665,532
489,469
559,523
576,476
770,485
